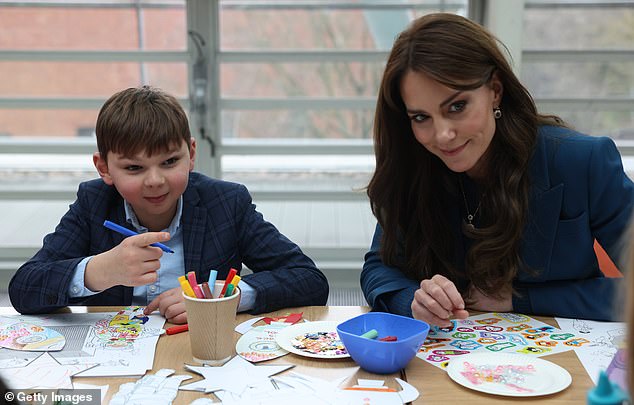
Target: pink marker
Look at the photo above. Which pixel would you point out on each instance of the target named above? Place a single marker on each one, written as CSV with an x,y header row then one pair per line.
x,y
191,277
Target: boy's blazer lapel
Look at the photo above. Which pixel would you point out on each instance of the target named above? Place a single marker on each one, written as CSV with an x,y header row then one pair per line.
x,y
194,223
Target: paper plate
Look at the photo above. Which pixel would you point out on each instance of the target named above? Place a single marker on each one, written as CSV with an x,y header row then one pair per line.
x,y
257,345
508,374
30,337
313,339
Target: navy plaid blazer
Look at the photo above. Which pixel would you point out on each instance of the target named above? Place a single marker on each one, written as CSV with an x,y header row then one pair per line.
x,y
221,230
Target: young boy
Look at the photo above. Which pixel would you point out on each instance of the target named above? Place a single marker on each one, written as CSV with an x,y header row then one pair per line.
x,y
145,160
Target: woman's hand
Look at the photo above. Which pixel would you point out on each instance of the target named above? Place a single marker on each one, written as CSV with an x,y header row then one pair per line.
x,y
437,300
478,301
170,304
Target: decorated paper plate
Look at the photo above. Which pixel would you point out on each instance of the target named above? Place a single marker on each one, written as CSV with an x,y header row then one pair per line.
x,y
313,339
508,374
26,336
258,344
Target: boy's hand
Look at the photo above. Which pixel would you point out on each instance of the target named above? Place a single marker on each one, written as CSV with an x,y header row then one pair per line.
x,y
437,300
132,263
170,304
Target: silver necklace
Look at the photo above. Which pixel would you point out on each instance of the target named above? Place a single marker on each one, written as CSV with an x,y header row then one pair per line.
x,y
470,217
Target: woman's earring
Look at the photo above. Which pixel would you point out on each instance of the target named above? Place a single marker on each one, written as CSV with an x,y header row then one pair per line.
x,y
497,113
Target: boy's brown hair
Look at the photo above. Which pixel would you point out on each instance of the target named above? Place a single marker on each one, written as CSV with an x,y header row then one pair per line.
x,y
141,119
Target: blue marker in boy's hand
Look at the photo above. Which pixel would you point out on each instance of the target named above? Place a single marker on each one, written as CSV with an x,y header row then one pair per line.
x,y
128,232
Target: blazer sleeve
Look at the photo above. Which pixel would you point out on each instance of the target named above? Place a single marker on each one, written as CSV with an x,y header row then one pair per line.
x,y
386,288
283,276
40,285
610,199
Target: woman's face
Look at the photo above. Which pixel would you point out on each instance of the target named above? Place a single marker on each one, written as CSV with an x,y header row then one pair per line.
x,y
457,126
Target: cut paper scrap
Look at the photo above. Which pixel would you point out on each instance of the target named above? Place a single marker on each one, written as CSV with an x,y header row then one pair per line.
x,y
605,339
234,376
259,344
43,372
302,388
30,337
495,333
290,318
151,389
247,325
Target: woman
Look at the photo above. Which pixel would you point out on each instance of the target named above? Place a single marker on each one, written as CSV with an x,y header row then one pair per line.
x,y
483,203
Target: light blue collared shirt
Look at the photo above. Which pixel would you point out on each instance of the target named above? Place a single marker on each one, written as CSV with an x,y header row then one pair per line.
x,y
172,266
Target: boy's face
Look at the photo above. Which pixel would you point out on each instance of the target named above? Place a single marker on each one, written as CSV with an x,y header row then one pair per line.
x,y
152,185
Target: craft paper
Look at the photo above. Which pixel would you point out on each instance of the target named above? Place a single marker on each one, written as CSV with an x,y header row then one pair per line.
x,y
43,372
151,389
496,333
235,376
120,343
605,339
259,344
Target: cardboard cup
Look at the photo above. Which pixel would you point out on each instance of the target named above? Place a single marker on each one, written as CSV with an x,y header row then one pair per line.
x,y
211,326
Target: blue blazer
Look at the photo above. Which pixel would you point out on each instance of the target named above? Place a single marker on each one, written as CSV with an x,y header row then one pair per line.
x,y
579,193
221,230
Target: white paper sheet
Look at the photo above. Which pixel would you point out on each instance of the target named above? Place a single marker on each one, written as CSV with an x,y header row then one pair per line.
x,y
605,339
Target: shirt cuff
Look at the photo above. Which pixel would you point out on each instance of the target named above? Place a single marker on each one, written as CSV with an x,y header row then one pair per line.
x,y
77,287
248,295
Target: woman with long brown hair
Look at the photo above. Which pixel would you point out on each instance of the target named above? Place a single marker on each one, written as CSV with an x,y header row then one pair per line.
x,y
482,202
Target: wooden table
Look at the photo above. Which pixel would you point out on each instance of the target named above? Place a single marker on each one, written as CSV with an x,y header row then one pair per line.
x,y
433,384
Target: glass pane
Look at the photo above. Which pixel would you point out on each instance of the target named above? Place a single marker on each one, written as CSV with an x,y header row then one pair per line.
x,y
47,123
275,27
581,79
608,27
615,124
301,79
93,28
329,124
45,171
303,172
83,79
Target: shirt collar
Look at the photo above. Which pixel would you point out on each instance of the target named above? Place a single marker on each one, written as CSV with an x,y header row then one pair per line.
x,y
132,219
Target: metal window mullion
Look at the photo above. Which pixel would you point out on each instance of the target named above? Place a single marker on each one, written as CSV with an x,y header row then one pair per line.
x,y
298,103
586,104
93,56
299,56
57,103
596,55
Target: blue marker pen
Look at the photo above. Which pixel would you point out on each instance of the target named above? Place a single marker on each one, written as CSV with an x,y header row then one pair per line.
x,y
212,279
127,232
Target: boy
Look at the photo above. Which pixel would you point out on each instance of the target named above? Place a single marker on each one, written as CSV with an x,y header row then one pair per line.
x,y
145,160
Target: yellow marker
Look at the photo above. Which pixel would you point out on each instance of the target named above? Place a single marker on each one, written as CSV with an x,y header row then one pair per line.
x,y
187,289
236,279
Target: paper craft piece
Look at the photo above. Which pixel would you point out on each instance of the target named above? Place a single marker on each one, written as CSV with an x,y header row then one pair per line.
x,y
151,389
26,336
298,388
495,333
508,374
247,325
312,339
43,372
122,344
234,376
605,339
290,318
259,344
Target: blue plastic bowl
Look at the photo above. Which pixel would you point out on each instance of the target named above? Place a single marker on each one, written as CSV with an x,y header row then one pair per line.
x,y
380,357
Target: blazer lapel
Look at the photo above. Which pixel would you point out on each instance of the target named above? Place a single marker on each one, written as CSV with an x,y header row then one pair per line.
x,y
544,210
193,221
